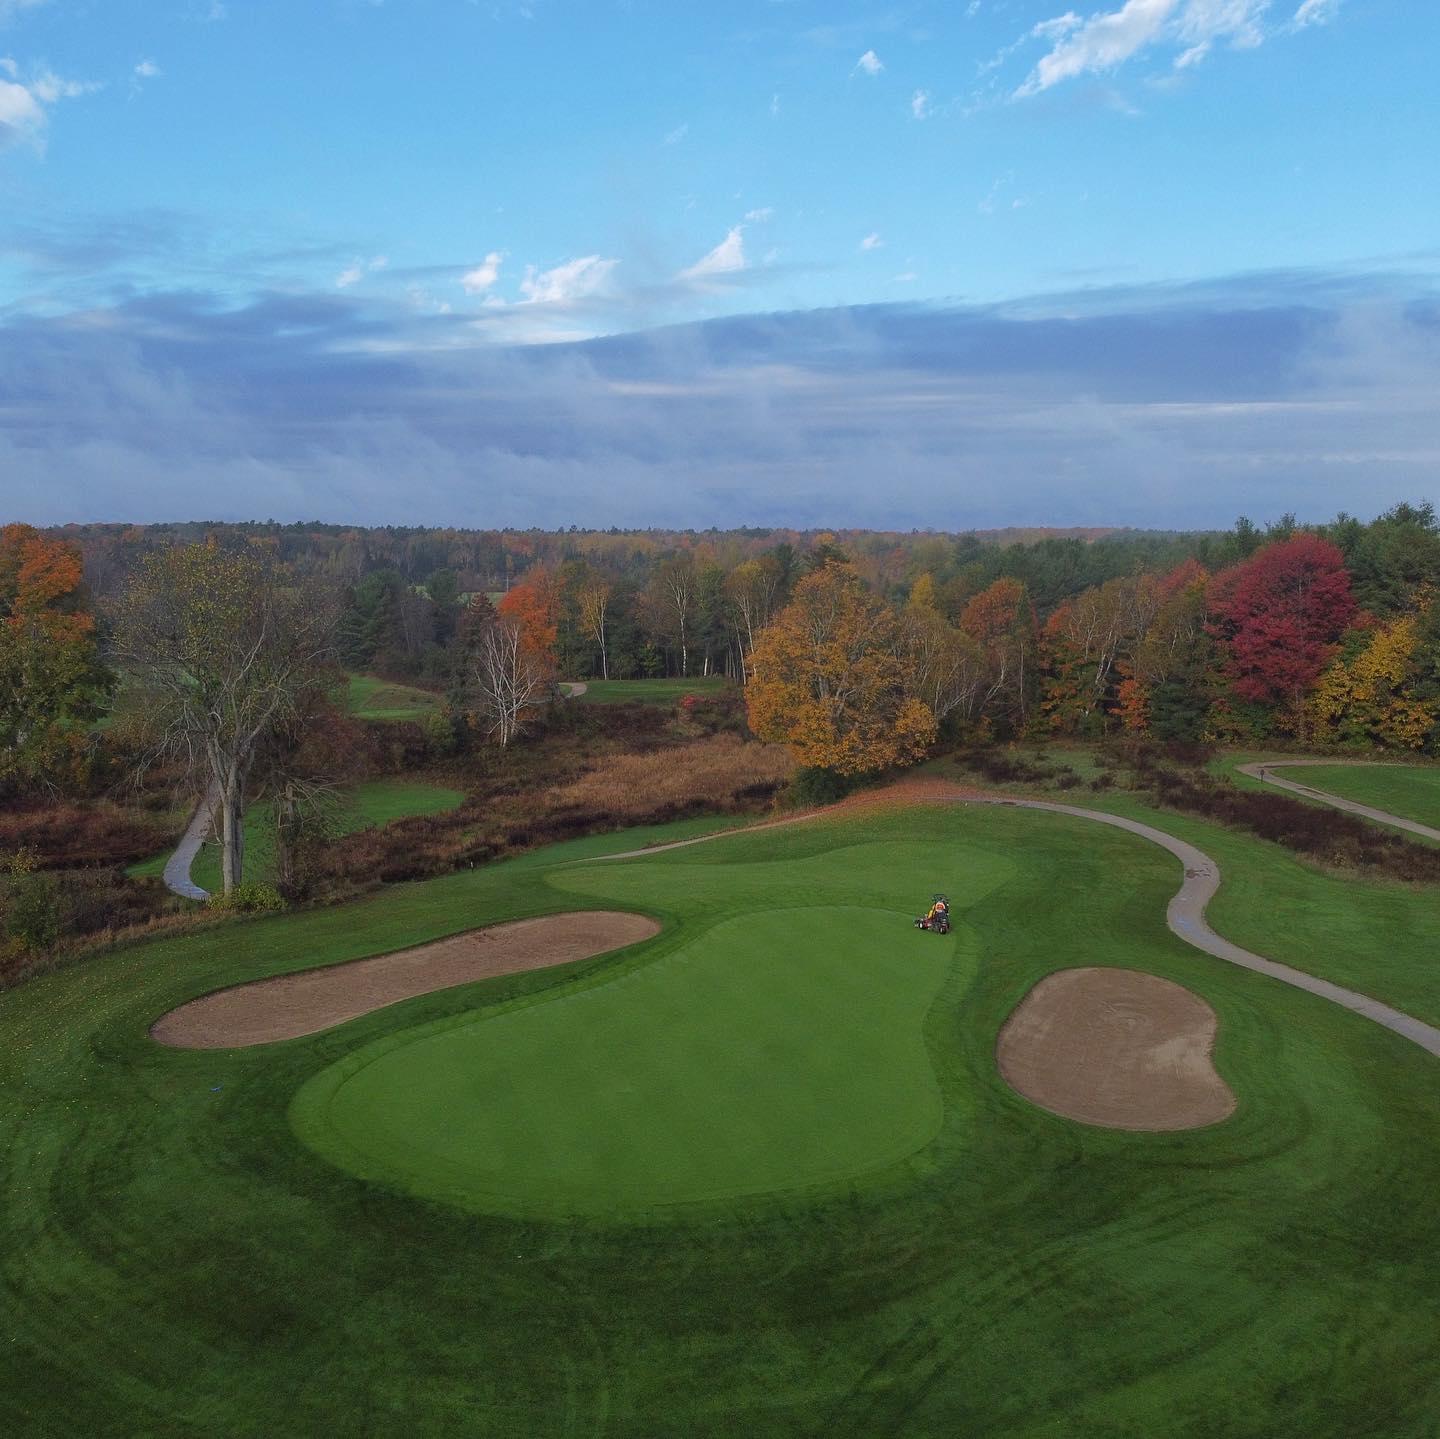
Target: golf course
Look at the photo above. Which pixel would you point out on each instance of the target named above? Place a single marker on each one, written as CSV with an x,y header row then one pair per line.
x,y
750,1167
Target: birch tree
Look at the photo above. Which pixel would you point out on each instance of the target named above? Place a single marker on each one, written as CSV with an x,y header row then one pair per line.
x,y
506,679
229,647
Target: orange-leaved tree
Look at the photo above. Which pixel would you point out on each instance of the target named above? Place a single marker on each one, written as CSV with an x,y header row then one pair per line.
x,y
533,606
51,680
831,679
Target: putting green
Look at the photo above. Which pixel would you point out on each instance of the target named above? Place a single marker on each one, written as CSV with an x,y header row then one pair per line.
x,y
757,1055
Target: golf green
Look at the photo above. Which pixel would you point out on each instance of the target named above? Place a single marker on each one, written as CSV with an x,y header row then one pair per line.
x,y
768,1053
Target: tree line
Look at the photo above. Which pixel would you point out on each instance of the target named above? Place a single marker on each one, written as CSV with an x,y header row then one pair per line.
x,y
858,656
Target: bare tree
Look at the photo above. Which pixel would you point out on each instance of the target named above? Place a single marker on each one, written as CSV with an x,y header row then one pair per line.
x,y
229,646
594,600
506,679
752,587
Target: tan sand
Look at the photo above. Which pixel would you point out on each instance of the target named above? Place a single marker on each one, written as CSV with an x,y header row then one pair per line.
x,y
1117,1048
291,1005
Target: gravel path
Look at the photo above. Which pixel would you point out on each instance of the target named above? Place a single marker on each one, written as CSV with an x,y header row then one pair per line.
x,y
1185,914
574,689
177,867
1350,806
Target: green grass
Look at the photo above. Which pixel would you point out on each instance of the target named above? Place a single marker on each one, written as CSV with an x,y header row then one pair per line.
x,y
1410,791
376,699
374,802
177,1261
655,692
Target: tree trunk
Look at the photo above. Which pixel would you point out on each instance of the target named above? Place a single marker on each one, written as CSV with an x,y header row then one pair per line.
x,y
287,826
232,832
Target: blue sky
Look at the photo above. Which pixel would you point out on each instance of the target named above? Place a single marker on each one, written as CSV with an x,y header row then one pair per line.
x,y
946,263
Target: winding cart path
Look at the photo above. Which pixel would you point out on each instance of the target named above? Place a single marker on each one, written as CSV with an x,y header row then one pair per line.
x,y
177,867
1185,914
1261,771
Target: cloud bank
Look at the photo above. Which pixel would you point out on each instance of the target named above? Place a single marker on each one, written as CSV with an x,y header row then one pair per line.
x,y
1159,407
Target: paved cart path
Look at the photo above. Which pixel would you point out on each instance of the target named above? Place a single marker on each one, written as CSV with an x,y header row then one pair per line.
x,y
1262,773
1185,914
177,867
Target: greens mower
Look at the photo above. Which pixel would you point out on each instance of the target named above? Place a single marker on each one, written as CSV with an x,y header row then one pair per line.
x,y
938,920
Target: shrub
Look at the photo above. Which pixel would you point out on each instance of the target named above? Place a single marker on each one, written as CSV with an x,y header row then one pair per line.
x,y
32,905
248,899
810,787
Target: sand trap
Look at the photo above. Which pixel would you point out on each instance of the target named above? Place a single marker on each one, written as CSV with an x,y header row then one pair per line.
x,y
291,1005
1117,1048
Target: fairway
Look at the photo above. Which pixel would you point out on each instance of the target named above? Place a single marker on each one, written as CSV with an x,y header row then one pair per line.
x,y
758,1174
652,691
1409,790
371,698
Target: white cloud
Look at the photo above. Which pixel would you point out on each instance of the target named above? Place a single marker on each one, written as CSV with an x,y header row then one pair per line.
x,y
727,258
579,279
1105,42
872,241
356,271
24,103
920,104
758,217
870,63
146,70
677,134
484,275
1315,12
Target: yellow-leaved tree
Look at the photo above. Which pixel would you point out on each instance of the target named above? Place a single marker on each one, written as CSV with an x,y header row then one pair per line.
x,y
1364,699
831,678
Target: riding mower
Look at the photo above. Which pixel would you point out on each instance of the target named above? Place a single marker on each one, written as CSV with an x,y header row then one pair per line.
x,y
938,920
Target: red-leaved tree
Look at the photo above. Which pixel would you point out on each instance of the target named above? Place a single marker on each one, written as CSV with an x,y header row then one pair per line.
x,y
1279,616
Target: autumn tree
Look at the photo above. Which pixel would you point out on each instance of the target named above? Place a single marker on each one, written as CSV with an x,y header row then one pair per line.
x,y
593,602
507,678
1000,621
1366,697
754,588
670,605
1279,617
533,608
229,647
829,678
51,680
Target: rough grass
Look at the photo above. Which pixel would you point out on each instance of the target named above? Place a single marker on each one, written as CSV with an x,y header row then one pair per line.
x,y
67,835
176,1262
720,771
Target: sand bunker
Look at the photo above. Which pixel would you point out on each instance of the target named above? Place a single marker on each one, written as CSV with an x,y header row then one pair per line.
x,y
1117,1048
291,1005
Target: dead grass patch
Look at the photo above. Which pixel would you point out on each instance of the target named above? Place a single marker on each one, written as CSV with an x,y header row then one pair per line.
x,y
716,773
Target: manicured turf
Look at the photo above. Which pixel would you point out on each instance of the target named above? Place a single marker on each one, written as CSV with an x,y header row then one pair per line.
x,y
377,699
657,692
375,802
176,1261
1411,791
